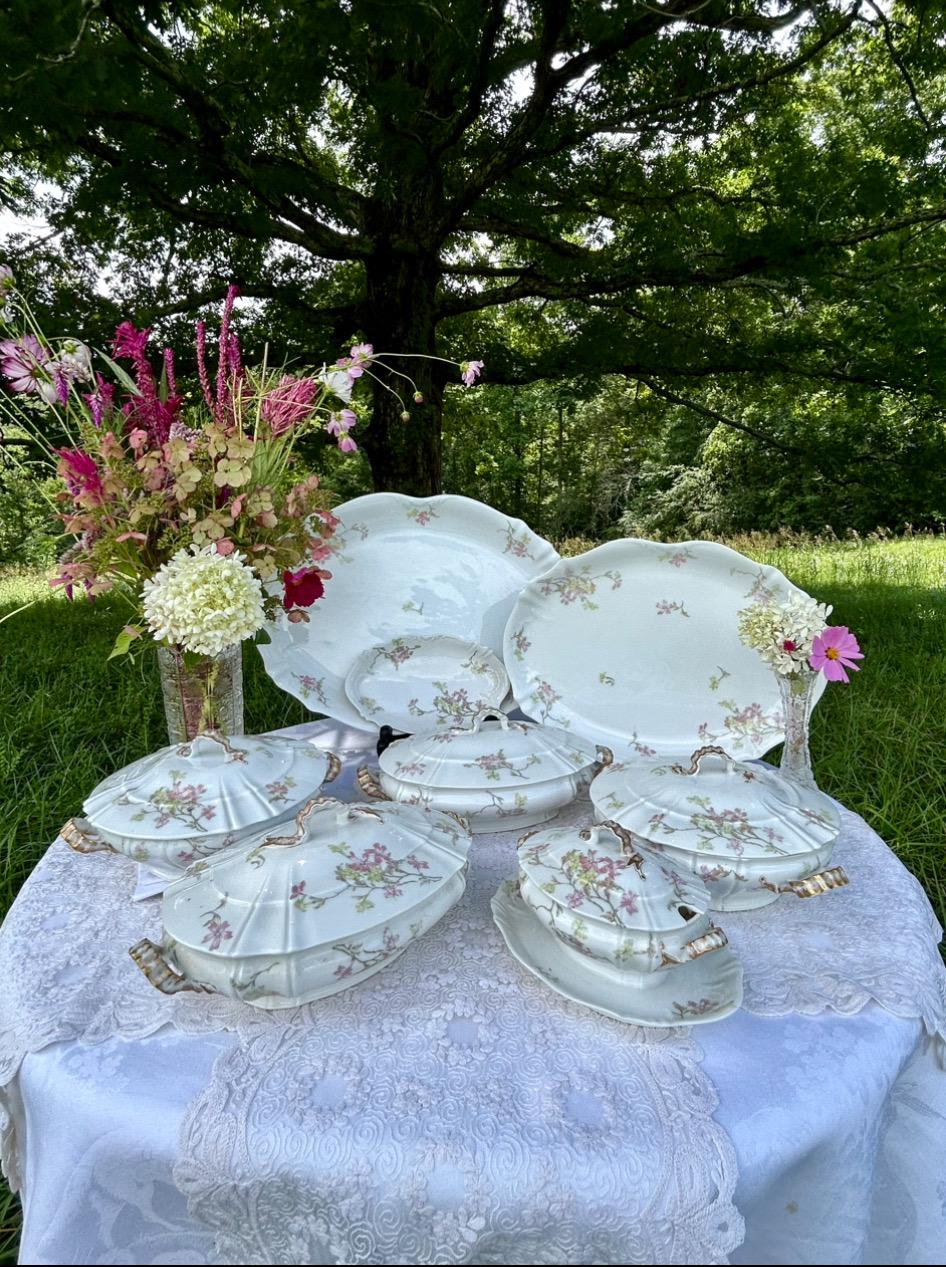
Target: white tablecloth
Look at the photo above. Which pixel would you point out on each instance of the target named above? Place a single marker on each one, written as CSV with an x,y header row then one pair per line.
x,y
837,1125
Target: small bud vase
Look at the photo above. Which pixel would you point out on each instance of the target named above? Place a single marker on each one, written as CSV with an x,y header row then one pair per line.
x,y
207,695
797,690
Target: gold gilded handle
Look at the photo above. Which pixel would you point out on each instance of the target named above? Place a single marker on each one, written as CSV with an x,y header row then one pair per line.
x,y
713,939
370,784
334,768
632,856
605,757
83,839
812,885
151,960
696,759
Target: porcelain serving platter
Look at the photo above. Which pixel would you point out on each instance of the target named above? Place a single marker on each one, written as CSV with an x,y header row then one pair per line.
x,y
404,567
695,993
636,645
426,683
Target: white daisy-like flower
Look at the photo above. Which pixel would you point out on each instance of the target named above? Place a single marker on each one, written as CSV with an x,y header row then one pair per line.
x,y
783,633
203,601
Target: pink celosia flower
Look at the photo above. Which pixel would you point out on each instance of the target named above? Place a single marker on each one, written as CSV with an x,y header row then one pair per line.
x,y
470,372
201,341
290,402
81,476
24,365
169,371
834,650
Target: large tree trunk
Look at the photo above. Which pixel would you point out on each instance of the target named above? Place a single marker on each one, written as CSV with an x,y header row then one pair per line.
x,y
405,457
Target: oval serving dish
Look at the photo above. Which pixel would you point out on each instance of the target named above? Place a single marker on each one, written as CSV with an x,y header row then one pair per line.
x,y
744,829
298,917
190,800
499,774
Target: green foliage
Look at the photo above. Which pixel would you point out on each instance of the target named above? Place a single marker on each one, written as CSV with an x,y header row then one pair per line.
x,y
28,530
703,197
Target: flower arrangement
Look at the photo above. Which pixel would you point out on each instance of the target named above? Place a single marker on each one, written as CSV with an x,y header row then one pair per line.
x,y
795,641
199,513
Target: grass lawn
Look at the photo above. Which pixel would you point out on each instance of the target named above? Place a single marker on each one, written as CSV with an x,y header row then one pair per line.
x,y
879,745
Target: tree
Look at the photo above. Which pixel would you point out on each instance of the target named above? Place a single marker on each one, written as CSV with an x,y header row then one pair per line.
x,y
654,185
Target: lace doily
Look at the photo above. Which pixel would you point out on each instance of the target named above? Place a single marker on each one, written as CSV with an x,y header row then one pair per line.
x,y
451,1110
877,939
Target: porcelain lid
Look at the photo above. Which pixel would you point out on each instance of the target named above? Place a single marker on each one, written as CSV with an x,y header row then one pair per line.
x,y
602,874
336,872
717,805
211,785
488,754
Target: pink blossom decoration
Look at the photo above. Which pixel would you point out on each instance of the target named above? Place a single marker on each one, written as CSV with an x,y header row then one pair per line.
x,y
290,402
81,476
470,372
834,650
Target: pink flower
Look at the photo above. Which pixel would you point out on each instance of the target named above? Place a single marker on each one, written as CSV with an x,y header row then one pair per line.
x,y
225,546
101,400
81,476
470,372
289,403
361,355
25,365
834,650
347,445
138,438
339,423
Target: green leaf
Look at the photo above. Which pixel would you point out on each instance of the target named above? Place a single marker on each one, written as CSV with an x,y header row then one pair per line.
x,y
124,640
122,375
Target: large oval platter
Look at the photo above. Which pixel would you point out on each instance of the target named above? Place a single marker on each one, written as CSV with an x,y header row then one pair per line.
x,y
636,645
404,567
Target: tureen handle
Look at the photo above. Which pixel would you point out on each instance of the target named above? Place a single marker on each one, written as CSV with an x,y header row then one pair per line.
x,y
334,768
713,939
187,749
370,784
632,855
485,714
150,958
287,842
697,758
79,835
811,885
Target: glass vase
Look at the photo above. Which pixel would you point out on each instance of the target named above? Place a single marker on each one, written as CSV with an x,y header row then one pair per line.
x,y
207,695
797,690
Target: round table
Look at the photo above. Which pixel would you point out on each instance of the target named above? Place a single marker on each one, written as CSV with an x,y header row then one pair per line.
x,y
837,1122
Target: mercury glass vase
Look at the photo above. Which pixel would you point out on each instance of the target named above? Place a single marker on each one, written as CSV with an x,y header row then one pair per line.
x,y
797,690
203,696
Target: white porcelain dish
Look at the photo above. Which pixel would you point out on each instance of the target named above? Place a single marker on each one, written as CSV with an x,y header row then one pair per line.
x,y
636,645
298,917
696,993
498,774
607,899
403,567
190,800
425,683
744,829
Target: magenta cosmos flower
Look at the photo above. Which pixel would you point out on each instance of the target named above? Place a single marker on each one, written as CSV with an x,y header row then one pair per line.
x,y
834,650
25,365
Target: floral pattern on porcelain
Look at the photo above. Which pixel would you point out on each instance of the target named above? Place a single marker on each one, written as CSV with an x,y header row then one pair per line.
x,y
495,764
280,790
677,558
310,686
449,706
369,874
181,803
730,827
517,543
397,652
422,514
218,930
521,644
361,959
666,607
579,586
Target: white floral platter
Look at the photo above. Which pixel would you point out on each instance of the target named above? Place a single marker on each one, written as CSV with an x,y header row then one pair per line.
x,y
635,645
694,993
306,912
404,567
425,683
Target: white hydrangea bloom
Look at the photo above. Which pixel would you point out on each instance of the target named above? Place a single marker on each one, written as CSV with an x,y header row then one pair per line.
x,y
783,633
203,601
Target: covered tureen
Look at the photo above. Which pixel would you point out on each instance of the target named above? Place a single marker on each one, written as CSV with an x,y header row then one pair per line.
x,y
611,901
744,829
299,915
190,800
499,774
